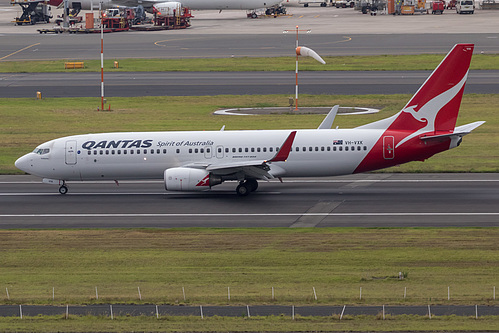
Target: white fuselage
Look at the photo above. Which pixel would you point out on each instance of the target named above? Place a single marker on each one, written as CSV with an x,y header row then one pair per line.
x,y
146,155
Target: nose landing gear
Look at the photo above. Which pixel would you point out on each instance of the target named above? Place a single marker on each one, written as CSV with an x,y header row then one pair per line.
x,y
63,189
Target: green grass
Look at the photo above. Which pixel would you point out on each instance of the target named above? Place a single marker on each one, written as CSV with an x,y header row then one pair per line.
x,y
350,63
336,262
29,122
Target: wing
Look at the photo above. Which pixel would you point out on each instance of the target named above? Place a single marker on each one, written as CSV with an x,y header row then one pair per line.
x,y
258,169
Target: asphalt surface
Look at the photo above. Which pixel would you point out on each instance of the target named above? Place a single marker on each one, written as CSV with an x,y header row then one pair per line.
x,y
365,200
228,83
241,311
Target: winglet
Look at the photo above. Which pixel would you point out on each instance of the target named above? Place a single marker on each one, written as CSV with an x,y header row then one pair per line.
x,y
328,121
283,153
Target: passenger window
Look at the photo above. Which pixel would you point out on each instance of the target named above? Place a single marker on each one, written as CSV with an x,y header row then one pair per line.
x,y
322,148
246,150
316,148
107,152
353,148
309,148
258,149
358,148
297,149
340,148
271,149
219,150
365,148
196,151
233,150
190,150
131,151
178,151
208,150
158,151
95,152
124,152
201,150
328,148
240,150
145,151
138,151
119,152
226,150
152,151
346,148
304,148
101,152
89,152
264,149
334,148
164,151
252,150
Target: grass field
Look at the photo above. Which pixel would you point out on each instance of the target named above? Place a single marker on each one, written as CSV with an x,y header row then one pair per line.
x,y
336,262
355,63
29,122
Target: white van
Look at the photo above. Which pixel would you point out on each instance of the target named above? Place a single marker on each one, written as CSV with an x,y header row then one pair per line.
x,y
465,7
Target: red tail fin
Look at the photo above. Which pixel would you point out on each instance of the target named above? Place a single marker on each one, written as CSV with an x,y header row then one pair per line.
x,y
435,105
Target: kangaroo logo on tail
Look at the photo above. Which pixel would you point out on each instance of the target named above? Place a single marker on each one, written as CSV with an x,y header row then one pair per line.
x,y
429,111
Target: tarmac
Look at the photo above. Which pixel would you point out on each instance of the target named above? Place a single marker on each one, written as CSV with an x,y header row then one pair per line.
x,y
320,20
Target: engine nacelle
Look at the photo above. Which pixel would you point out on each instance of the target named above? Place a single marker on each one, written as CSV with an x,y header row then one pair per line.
x,y
168,9
189,179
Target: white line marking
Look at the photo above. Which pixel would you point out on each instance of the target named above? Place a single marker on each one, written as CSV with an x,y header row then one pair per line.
x,y
252,215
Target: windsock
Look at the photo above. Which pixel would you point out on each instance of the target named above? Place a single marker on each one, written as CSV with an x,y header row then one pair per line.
x,y
306,52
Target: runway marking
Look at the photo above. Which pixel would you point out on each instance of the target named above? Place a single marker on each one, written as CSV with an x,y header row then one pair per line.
x,y
245,214
25,48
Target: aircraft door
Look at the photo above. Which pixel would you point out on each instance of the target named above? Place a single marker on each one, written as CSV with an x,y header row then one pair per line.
x,y
71,152
220,152
388,147
207,152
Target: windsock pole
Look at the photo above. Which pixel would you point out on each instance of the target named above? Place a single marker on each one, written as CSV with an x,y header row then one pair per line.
x,y
101,59
296,73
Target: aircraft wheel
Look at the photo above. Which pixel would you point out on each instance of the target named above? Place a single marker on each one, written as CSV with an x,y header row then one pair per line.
x,y
63,189
252,184
243,190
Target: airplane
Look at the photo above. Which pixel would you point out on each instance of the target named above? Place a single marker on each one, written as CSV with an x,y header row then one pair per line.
x,y
192,4
199,160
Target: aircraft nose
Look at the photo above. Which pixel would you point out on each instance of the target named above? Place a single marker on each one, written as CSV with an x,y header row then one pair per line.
x,y
23,163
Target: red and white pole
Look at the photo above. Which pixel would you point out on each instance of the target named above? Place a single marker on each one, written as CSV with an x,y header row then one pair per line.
x,y
101,59
296,73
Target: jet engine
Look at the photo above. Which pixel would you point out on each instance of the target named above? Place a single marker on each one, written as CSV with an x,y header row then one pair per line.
x,y
168,9
189,179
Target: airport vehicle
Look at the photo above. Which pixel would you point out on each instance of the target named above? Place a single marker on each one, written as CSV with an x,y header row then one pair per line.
x,y
192,4
35,11
437,7
465,7
199,160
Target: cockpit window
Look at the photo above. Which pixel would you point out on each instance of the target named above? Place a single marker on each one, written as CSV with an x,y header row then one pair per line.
x,y
41,151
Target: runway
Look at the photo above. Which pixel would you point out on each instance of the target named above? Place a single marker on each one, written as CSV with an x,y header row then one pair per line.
x,y
366,200
228,83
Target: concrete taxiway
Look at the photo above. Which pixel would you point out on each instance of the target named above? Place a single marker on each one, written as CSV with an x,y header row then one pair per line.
x,y
228,83
253,310
365,200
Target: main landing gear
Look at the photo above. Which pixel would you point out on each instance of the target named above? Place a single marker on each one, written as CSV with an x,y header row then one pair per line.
x,y
246,187
63,189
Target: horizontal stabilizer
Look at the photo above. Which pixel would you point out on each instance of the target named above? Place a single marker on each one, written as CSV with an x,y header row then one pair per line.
x,y
458,131
328,121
